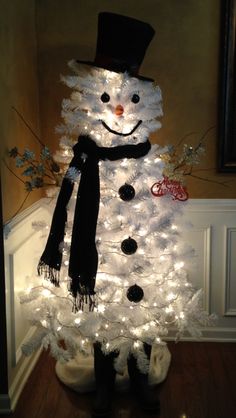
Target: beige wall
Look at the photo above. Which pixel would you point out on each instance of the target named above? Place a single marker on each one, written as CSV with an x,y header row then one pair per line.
x,y
19,88
183,58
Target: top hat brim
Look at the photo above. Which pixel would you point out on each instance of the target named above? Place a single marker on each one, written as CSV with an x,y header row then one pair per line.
x,y
111,68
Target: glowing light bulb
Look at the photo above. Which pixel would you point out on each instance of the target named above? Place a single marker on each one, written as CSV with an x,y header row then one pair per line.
x,y
46,292
124,162
142,232
101,308
59,328
136,344
107,345
179,265
170,296
77,321
141,251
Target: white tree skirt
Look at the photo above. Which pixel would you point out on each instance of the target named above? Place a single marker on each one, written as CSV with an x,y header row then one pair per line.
x,y
78,374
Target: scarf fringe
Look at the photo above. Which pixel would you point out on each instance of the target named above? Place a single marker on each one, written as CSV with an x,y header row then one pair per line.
x,y
49,273
81,300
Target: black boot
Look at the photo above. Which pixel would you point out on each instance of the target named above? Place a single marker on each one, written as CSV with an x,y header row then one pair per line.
x,y
139,384
105,379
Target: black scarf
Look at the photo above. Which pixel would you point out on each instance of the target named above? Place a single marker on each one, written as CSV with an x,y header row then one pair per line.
x,y
83,253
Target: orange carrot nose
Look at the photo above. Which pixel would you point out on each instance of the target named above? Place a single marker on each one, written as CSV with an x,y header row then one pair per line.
x,y
119,110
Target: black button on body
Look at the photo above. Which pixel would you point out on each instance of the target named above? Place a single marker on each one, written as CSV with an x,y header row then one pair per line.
x,y
129,246
135,293
126,192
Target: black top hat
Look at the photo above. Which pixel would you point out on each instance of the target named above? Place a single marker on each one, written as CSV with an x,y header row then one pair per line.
x,y
121,44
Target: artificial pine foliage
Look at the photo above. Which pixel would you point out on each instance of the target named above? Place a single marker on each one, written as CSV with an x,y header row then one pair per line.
x,y
142,286
114,250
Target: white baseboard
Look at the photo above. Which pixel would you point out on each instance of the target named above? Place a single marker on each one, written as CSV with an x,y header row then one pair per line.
x,y
19,382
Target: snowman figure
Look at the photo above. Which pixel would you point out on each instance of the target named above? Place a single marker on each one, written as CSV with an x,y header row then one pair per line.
x,y
118,240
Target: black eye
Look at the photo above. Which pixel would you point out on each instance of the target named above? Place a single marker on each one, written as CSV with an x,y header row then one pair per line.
x,y
135,98
105,98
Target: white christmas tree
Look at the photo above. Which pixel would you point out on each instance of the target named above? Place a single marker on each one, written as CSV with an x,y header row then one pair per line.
x,y
142,287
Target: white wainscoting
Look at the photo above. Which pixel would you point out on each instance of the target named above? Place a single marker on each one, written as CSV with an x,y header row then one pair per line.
x,y
23,247
213,235
229,271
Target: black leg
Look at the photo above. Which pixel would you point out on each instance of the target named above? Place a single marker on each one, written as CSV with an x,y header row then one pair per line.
x,y
105,379
139,384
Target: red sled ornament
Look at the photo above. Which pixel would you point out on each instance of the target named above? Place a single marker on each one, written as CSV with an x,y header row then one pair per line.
x,y
170,187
